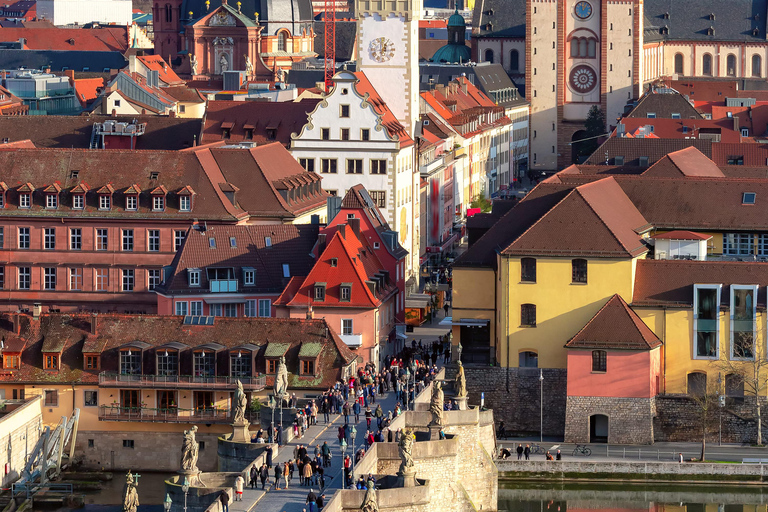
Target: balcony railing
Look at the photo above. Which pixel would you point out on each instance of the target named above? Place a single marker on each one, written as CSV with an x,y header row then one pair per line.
x,y
118,380
172,414
223,285
352,340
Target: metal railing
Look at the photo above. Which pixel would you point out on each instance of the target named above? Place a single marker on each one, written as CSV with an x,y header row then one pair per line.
x,y
223,285
32,488
172,414
109,379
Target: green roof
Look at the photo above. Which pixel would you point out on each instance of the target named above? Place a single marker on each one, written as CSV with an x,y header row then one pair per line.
x,y
453,53
276,349
456,20
310,349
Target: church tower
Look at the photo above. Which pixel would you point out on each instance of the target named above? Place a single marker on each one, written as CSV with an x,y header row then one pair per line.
x,y
388,53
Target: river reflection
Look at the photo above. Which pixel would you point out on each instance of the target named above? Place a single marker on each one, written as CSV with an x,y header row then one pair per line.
x,y
623,497
110,497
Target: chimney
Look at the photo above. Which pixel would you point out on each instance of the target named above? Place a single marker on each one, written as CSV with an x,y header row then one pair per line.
x,y
343,231
15,318
132,63
37,308
320,244
310,313
464,86
94,324
441,89
355,225
70,73
114,112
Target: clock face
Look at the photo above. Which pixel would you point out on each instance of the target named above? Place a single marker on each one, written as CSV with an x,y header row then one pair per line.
x,y
583,79
583,10
382,49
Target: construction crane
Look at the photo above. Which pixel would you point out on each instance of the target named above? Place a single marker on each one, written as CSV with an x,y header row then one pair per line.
x,y
330,43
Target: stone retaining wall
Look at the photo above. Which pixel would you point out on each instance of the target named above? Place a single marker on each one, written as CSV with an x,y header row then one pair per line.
x,y
630,420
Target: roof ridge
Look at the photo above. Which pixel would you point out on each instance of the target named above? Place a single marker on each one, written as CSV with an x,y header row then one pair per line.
x,y
539,220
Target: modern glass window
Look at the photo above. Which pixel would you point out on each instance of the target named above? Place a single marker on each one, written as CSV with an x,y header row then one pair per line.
x,y
49,278
528,359
25,278
240,363
132,203
346,326
738,244
528,315
158,203
76,279
105,202
178,239
679,63
49,239
265,308
204,363
706,64
153,240
102,239
130,362
78,202
51,201
528,270
196,308
743,321
129,279
102,279
23,238
167,362
75,239
706,307
154,277
127,239
579,271
185,203
599,360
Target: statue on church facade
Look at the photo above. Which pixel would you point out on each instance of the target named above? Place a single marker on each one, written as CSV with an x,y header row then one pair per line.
x,y
223,63
193,64
248,66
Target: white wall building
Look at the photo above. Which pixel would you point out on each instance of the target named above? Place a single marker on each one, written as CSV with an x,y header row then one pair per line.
x,y
80,12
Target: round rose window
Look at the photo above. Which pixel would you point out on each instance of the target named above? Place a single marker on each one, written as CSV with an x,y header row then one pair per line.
x,y
583,79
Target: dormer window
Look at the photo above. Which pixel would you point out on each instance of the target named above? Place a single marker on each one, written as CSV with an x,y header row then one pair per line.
x,y
167,362
711,31
130,361
334,262
11,361
240,363
158,199
25,200
308,355
185,203
91,362
3,188
345,292
249,276
320,292
105,202
193,276
51,201
132,203
51,361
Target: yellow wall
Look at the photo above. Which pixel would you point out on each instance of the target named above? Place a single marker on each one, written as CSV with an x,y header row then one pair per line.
x,y
473,297
562,307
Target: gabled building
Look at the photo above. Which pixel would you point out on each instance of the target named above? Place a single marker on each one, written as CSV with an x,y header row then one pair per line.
x,y
235,271
353,114
139,381
133,94
350,289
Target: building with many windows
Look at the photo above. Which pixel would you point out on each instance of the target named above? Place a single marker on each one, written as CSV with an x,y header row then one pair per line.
x,y
92,230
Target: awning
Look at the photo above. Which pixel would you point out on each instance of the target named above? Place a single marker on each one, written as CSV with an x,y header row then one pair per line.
x,y
223,300
466,322
401,336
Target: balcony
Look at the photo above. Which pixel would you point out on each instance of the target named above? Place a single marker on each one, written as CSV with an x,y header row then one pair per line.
x,y
223,285
352,340
171,415
117,380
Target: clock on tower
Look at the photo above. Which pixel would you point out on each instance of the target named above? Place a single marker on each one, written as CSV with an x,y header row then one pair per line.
x,y
388,54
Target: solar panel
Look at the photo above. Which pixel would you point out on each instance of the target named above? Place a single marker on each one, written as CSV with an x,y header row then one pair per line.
x,y
198,320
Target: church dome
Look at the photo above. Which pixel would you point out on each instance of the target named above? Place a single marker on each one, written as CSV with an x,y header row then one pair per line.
x,y
453,53
456,20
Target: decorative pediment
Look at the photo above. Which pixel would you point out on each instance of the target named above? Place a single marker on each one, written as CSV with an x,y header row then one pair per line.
x,y
223,41
222,19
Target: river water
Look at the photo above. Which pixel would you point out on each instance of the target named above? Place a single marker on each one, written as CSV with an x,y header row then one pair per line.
x,y
110,497
623,497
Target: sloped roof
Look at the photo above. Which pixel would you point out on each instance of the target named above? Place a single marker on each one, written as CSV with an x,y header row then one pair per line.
x,y
633,148
104,39
682,128
394,128
685,162
58,60
596,219
663,106
499,18
615,327
688,20
164,70
290,243
681,235
87,89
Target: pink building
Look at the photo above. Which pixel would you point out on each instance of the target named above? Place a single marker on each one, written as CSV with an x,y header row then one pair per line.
x,y
614,369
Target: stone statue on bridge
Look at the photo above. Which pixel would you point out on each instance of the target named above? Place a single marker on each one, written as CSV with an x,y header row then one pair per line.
x,y
461,381
130,494
281,380
240,403
436,404
189,451
370,502
405,450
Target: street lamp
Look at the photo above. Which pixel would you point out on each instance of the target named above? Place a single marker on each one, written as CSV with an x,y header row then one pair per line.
x,y
720,404
541,403
272,423
167,503
353,434
185,489
407,385
343,444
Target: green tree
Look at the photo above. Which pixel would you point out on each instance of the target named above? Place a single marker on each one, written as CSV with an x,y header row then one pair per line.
x,y
594,127
481,202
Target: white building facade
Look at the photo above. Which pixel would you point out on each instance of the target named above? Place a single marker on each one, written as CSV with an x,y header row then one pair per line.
x,y
80,12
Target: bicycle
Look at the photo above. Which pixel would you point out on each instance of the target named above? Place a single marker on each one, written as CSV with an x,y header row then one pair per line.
x,y
582,448
537,449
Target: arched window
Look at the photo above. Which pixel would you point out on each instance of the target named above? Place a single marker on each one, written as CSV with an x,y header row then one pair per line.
x,y
584,47
591,48
757,65
282,42
731,65
514,61
168,13
679,63
706,65
489,56
697,384
528,359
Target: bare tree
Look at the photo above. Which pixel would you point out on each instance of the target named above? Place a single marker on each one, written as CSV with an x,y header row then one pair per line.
x,y
706,400
753,374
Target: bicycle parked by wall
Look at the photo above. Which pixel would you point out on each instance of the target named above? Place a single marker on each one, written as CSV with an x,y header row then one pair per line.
x,y
582,449
537,449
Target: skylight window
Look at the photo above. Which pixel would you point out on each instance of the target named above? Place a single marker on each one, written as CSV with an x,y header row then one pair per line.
x,y
212,242
233,242
748,198
268,241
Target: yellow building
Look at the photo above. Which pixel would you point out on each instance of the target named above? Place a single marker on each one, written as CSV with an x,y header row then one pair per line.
x,y
688,253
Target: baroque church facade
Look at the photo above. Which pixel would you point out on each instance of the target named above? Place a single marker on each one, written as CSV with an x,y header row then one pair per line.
x,y
570,55
260,37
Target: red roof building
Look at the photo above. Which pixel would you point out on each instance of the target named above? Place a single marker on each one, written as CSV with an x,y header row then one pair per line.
x,y
103,39
10,105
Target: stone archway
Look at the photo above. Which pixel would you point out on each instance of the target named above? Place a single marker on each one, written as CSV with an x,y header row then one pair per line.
x,y
598,428
578,146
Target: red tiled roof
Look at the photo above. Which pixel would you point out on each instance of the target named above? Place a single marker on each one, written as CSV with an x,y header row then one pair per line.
x,y
685,162
615,327
290,244
82,39
654,149
165,73
755,155
87,89
596,219
394,128
670,282
683,128
681,235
